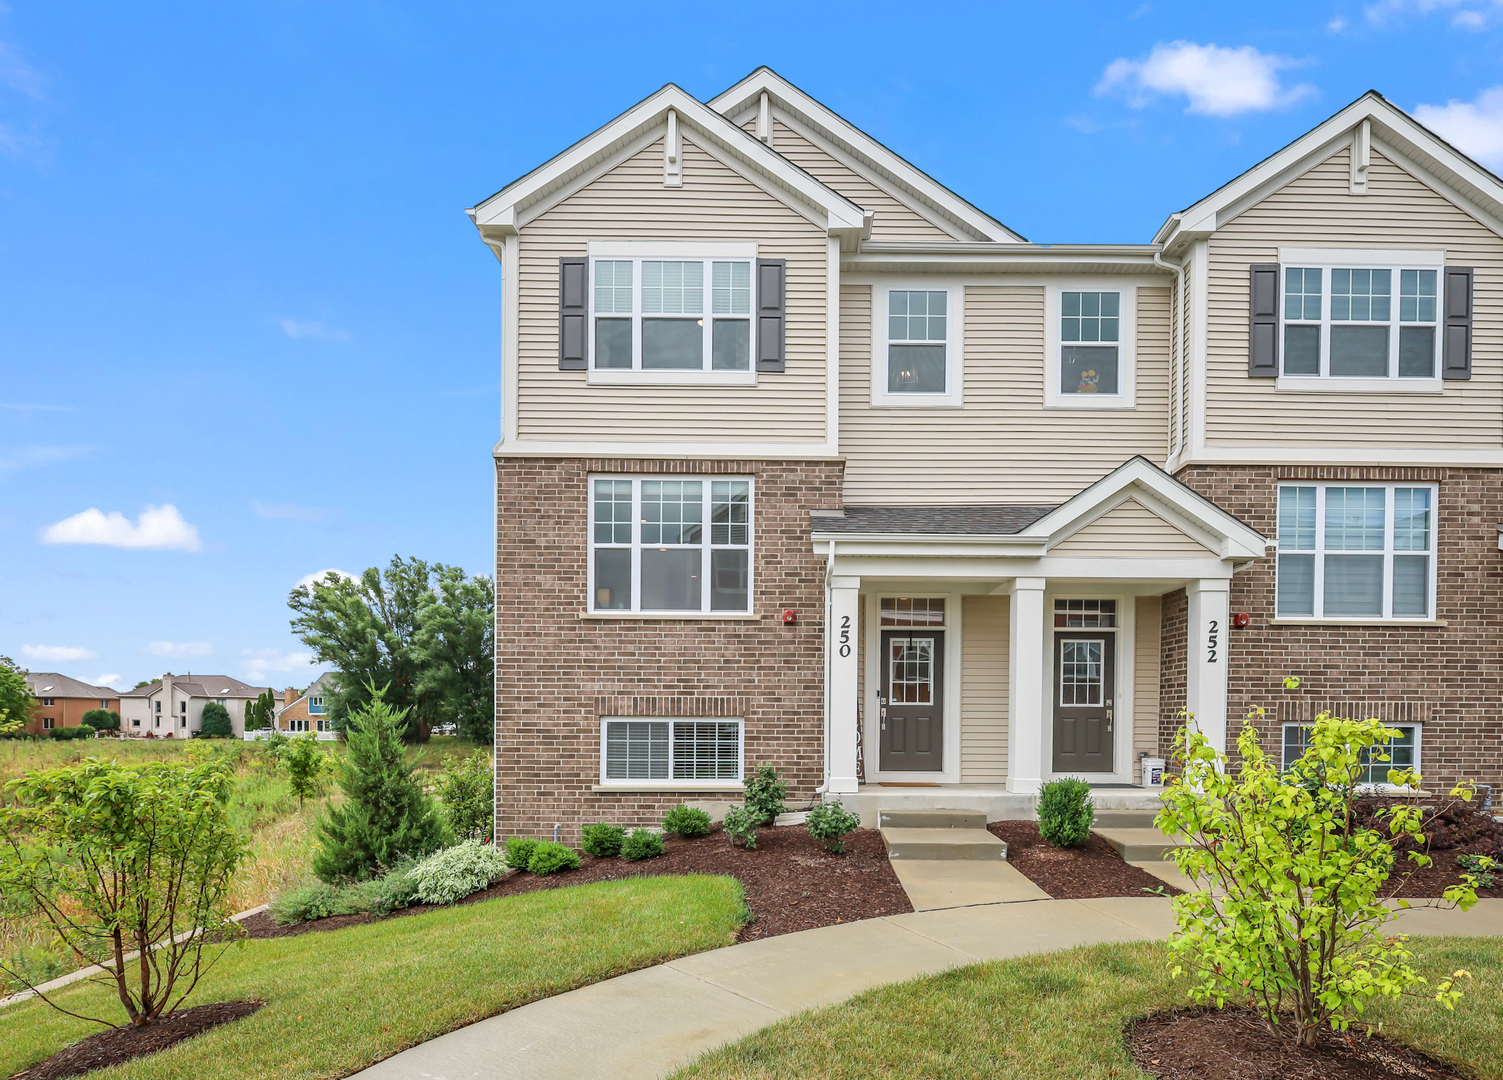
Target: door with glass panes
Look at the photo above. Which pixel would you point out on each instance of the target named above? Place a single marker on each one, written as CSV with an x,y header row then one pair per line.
x,y
912,701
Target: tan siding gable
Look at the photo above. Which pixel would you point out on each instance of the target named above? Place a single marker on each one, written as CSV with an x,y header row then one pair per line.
x,y
1003,445
1131,530
630,203
1317,210
983,690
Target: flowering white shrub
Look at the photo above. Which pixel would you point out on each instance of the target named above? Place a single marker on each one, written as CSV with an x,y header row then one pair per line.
x,y
455,872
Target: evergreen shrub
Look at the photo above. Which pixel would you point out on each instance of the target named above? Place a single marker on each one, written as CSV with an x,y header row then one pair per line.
x,y
519,851
642,844
549,858
686,821
602,840
1065,812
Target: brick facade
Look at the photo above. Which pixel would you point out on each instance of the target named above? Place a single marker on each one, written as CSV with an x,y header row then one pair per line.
x,y
1448,677
1174,629
558,674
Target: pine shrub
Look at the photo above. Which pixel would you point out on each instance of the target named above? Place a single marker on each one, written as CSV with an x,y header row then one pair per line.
x,y
519,851
602,840
765,792
456,872
549,858
740,825
642,844
1065,812
686,821
829,822
102,719
215,722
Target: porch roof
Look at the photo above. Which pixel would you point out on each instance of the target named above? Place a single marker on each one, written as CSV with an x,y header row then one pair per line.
x,y
998,519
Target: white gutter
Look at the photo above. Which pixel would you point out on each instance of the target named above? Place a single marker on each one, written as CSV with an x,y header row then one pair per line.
x,y
1184,311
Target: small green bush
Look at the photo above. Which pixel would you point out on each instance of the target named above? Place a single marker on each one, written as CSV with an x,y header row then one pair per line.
x,y
323,901
685,821
83,731
765,792
1486,869
519,851
549,858
741,825
602,840
1065,812
395,891
829,822
642,844
458,871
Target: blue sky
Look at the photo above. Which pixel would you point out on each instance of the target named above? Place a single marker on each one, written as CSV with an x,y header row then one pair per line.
x,y
247,333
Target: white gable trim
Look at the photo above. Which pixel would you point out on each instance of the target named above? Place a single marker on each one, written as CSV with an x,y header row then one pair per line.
x,y
1193,530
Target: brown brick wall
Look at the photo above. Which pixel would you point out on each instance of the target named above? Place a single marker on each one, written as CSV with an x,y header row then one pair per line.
x,y
1450,675
1173,641
557,674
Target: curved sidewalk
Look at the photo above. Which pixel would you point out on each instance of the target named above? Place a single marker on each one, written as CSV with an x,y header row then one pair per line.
x,y
650,1022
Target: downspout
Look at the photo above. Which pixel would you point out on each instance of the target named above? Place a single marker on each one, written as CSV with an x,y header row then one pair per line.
x,y
829,612
1179,270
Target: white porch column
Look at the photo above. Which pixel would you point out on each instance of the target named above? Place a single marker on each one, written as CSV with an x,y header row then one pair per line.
x,y
1206,664
842,690
1027,699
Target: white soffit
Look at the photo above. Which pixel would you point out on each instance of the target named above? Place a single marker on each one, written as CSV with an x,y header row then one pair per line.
x,y
909,183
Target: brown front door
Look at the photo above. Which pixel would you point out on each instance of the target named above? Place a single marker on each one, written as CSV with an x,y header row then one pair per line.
x,y
1084,687
912,701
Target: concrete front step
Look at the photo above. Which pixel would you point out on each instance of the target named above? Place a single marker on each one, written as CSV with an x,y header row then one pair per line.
x,y
942,844
931,819
1124,819
1138,845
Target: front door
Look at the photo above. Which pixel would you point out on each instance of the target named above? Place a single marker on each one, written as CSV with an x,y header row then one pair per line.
x,y
1084,688
912,701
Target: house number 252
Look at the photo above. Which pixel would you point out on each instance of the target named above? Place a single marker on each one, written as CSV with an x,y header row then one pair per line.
x,y
845,635
1211,642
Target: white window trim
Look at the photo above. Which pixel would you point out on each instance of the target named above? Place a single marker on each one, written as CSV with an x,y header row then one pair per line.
x,y
671,784
620,250
954,395
1388,552
704,613
1127,334
1419,739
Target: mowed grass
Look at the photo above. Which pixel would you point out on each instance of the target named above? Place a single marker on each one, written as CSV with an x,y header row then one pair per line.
x,y
341,1000
1060,1017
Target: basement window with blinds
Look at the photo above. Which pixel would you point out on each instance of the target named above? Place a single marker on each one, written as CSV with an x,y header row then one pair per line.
x,y
668,750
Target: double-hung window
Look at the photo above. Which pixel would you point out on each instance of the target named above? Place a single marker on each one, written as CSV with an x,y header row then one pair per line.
x,y
1356,552
1089,358
1402,752
672,314
669,546
917,355
668,750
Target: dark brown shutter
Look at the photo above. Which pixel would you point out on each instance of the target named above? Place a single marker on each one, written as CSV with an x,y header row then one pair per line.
x,y
573,314
1263,321
770,317
1456,357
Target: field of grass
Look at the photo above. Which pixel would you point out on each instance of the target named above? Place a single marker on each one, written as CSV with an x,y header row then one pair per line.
x,y
339,1001
1060,1017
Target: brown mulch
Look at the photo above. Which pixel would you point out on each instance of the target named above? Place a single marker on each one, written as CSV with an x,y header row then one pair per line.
x,y
791,882
1452,828
1235,1044
1092,870
125,1043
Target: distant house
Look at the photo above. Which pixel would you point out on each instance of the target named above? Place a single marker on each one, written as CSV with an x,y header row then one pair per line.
x,y
307,710
61,701
173,706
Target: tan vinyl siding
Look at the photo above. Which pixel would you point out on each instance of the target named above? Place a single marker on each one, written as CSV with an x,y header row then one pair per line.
x,y
1317,210
893,221
983,690
715,204
1003,445
1131,530
1145,680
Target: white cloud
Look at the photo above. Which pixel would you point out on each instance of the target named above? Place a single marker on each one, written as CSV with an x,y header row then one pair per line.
x,y
287,511
157,527
57,654
1473,127
1336,25
1465,14
112,679
1218,81
258,664
28,457
179,648
307,580
312,328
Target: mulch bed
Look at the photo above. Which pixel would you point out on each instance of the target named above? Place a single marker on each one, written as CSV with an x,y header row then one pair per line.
x,y
1092,870
791,882
1452,828
1235,1044
124,1043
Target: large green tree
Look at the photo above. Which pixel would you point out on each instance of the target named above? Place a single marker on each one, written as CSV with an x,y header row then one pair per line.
x,y
456,651
15,697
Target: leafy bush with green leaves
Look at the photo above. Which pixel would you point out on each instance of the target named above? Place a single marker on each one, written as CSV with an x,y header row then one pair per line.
x,y
519,851
101,719
1066,813
740,825
829,822
1484,868
1291,921
457,871
467,794
82,731
215,722
641,844
307,765
602,840
16,701
549,858
765,792
686,821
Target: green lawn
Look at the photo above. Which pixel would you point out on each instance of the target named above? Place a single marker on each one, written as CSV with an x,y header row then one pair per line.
x,y
1060,1017
339,1001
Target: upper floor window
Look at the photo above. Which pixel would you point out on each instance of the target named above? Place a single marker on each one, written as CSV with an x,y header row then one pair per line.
x,y
1356,552
670,545
915,357
1361,322
315,705
672,314
48,701
1089,353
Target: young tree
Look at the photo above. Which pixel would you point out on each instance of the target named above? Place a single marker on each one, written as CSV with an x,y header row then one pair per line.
x,y
215,723
467,793
121,858
16,701
385,814
306,765
456,652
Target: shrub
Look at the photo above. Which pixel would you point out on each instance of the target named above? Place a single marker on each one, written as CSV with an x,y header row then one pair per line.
x,y
397,890
1291,922
307,766
519,851
740,825
467,793
549,858
829,822
320,900
1066,813
765,792
686,821
602,840
215,722
82,731
1484,868
456,872
642,844
102,719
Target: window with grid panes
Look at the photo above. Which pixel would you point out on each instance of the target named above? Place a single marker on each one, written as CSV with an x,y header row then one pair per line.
x,y
654,315
918,330
1089,334
1402,753
1360,322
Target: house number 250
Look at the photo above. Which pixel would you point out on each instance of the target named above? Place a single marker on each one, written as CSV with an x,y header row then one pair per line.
x,y
1211,642
845,635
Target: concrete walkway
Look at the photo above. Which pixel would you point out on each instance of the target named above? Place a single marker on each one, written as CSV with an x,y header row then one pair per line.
x,y
650,1022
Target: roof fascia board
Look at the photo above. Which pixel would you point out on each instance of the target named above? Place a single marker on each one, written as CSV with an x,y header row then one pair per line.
x,y
1195,530
994,258
1286,175
1396,128
1490,218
